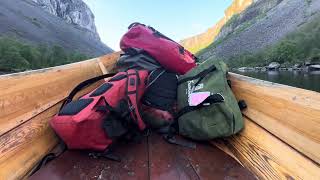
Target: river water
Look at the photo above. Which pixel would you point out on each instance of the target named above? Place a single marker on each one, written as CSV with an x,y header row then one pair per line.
x,y
301,79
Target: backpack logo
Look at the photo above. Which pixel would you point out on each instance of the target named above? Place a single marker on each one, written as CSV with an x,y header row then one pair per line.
x,y
191,88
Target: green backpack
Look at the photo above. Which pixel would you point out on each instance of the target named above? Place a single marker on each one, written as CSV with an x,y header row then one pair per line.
x,y
207,107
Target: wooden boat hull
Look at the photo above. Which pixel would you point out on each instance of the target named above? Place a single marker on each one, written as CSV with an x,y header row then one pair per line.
x,y
281,138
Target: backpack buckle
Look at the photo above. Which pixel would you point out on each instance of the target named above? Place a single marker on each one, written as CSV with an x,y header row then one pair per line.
x,y
131,108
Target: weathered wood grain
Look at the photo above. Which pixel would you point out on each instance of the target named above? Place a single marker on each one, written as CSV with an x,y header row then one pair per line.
x,y
77,165
25,95
24,146
28,101
267,156
291,114
109,60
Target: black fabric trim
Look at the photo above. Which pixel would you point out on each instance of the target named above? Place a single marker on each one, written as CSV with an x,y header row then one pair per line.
x,y
135,24
181,50
131,92
132,81
212,99
201,75
116,122
118,77
82,85
161,92
102,89
75,107
229,83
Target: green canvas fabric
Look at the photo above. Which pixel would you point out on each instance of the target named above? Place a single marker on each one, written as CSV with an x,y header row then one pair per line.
x,y
211,121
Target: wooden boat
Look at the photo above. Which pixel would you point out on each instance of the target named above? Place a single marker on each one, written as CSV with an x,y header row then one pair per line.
x,y
281,138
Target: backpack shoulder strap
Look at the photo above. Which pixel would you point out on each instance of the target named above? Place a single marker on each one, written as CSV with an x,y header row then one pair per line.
x,y
133,83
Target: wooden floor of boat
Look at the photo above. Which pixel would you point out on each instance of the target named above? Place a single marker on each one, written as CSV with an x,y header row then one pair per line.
x,y
153,158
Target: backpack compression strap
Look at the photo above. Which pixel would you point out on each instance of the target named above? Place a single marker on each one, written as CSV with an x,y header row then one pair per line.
x,y
133,83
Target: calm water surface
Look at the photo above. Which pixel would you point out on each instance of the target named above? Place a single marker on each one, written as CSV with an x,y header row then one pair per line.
x,y
305,80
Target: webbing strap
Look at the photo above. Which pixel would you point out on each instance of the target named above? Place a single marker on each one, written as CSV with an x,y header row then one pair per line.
x,y
133,83
199,76
82,85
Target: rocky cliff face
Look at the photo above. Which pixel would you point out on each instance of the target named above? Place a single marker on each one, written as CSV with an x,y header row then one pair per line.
x,y
69,24
72,11
201,41
262,24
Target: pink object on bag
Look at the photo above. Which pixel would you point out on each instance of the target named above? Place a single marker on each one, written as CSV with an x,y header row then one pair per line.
x,y
168,53
197,98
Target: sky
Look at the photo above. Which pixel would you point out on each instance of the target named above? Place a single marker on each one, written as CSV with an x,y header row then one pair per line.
x,y
177,19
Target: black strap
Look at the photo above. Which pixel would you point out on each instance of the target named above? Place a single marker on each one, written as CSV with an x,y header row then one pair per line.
x,y
61,147
199,76
180,142
82,85
108,154
135,24
212,99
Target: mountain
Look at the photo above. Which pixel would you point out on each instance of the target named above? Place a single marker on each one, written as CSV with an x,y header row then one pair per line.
x,y
72,11
265,24
66,23
201,41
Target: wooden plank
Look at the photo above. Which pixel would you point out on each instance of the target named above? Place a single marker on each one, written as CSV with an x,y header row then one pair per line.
x,y
18,153
207,159
78,165
24,146
28,101
169,161
109,61
267,156
291,114
24,95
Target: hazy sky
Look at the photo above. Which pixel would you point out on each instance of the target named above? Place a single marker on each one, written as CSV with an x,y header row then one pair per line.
x,y
177,19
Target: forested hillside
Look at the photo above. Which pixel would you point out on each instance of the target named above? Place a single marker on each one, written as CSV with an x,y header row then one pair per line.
x,y
37,33
16,56
282,31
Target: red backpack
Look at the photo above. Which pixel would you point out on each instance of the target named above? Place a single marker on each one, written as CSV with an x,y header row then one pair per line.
x,y
95,120
171,55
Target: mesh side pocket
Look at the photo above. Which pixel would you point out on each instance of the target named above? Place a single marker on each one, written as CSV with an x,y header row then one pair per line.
x,y
75,107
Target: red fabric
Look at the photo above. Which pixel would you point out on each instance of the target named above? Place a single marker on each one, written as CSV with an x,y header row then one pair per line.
x,y
166,52
84,130
135,96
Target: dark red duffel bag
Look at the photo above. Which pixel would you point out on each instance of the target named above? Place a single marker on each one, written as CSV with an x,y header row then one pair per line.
x,y
167,52
110,111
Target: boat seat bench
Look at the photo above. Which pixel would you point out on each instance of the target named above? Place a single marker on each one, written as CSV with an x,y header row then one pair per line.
x,y
153,158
